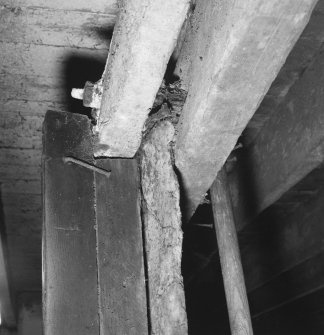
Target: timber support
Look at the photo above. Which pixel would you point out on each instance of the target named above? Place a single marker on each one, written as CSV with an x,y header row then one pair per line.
x,y
233,277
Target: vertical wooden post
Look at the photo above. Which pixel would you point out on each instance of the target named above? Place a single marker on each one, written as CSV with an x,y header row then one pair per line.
x,y
122,294
236,297
163,233
70,292
92,240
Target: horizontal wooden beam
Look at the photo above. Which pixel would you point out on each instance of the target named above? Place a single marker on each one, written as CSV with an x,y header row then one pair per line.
x,y
48,26
289,147
144,38
299,317
231,55
278,241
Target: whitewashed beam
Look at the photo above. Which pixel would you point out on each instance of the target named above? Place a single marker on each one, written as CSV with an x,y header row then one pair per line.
x,y
163,234
231,55
6,306
144,37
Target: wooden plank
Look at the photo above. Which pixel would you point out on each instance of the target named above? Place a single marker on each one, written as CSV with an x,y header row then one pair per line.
x,y
277,242
122,292
302,316
29,60
69,235
163,235
32,186
299,59
288,148
233,277
303,279
8,316
25,257
29,108
20,131
33,88
35,25
230,56
143,41
109,6
19,164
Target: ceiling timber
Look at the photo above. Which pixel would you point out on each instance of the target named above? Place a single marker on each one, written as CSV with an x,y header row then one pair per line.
x,y
47,48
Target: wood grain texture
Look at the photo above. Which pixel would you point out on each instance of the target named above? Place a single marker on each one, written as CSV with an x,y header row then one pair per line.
x,y
233,277
122,293
298,61
163,234
301,316
54,26
232,53
43,61
144,37
299,281
8,315
109,6
289,147
69,235
278,242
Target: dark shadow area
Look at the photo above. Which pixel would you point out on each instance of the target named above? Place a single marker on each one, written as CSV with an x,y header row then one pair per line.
x,y
104,33
4,245
203,283
169,76
282,256
78,70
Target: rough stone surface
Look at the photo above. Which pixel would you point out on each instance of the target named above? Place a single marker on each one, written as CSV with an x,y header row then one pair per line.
x,y
163,234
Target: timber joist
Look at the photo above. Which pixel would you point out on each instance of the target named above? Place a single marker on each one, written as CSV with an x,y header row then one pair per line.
x,y
226,81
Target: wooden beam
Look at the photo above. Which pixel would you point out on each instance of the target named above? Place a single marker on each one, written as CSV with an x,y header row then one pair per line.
x,y
231,54
163,235
70,292
277,242
288,148
92,240
300,316
144,37
122,293
233,277
7,314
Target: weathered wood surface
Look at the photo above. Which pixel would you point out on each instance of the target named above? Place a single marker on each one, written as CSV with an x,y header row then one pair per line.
x,y
230,56
42,60
163,235
46,47
289,147
122,293
229,253
93,265
69,232
300,317
8,316
305,278
57,27
299,59
144,38
85,6
277,242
